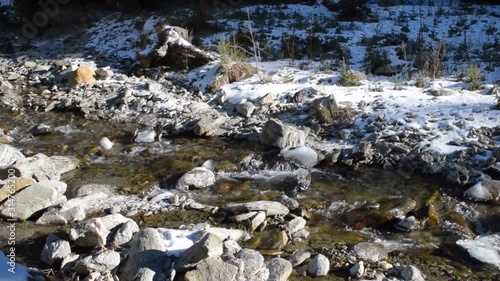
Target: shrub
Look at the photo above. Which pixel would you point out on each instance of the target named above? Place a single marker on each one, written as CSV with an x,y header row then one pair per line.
x,y
475,78
349,78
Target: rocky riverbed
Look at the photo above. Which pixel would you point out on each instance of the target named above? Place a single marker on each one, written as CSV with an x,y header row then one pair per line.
x,y
113,172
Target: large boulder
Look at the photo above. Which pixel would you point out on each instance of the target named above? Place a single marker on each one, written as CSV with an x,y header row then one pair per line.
x,y
13,185
326,109
485,249
97,231
210,125
34,198
208,246
372,252
42,167
199,177
279,269
213,269
100,262
147,257
55,250
72,210
9,155
277,134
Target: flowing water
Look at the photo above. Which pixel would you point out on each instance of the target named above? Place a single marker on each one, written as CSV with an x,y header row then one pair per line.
x,y
344,206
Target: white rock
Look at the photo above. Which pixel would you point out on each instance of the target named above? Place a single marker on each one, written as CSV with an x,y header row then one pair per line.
x,y
145,136
319,266
9,155
301,155
55,250
106,144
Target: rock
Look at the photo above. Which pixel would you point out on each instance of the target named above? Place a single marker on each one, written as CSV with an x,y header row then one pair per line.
x,y
253,262
199,177
295,224
72,210
245,109
299,257
174,51
277,134
496,151
210,126
486,190
387,70
212,269
319,266
88,189
441,92
42,167
101,262
13,76
13,185
377,214
485,249
357,270
224,234
106,144
407,224
41,130
97,231
29,64
125,233
292,183
257,220
104,73
34,198
290,203
55,250
83,75
371,252
9,155
279,269
271,208
302,156
145,136
231,247
208,246
147,256
406,273
326,109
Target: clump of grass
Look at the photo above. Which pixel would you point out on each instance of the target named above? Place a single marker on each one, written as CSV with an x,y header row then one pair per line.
x,y
349,77
420,82
230,52
475,78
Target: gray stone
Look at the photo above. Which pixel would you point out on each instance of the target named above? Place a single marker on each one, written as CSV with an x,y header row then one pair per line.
x,y
245,109
231,247
88,189
9,155
302,156
212,269
55,250
319,266
253,262
210,126
406,273
97,231
13,76
104,73
441,92
257,220
208,246
147,257
299,257
42,68
326,109
42,167
101,262
125,233
271,208
199,177
29,64
72,210
372,252
496,151
42,129
296,224
35,198
290,203
279,269
277,134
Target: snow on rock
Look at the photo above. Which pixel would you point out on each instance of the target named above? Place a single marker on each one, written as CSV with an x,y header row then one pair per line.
x,y
487,190
484,248
302,156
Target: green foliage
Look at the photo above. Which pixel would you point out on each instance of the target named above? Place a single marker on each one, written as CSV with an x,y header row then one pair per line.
x,y
230,52
349,78
475,78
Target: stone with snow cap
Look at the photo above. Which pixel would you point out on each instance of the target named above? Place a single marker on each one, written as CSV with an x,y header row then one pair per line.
x,y
485,249
486,190
302,156
199,177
